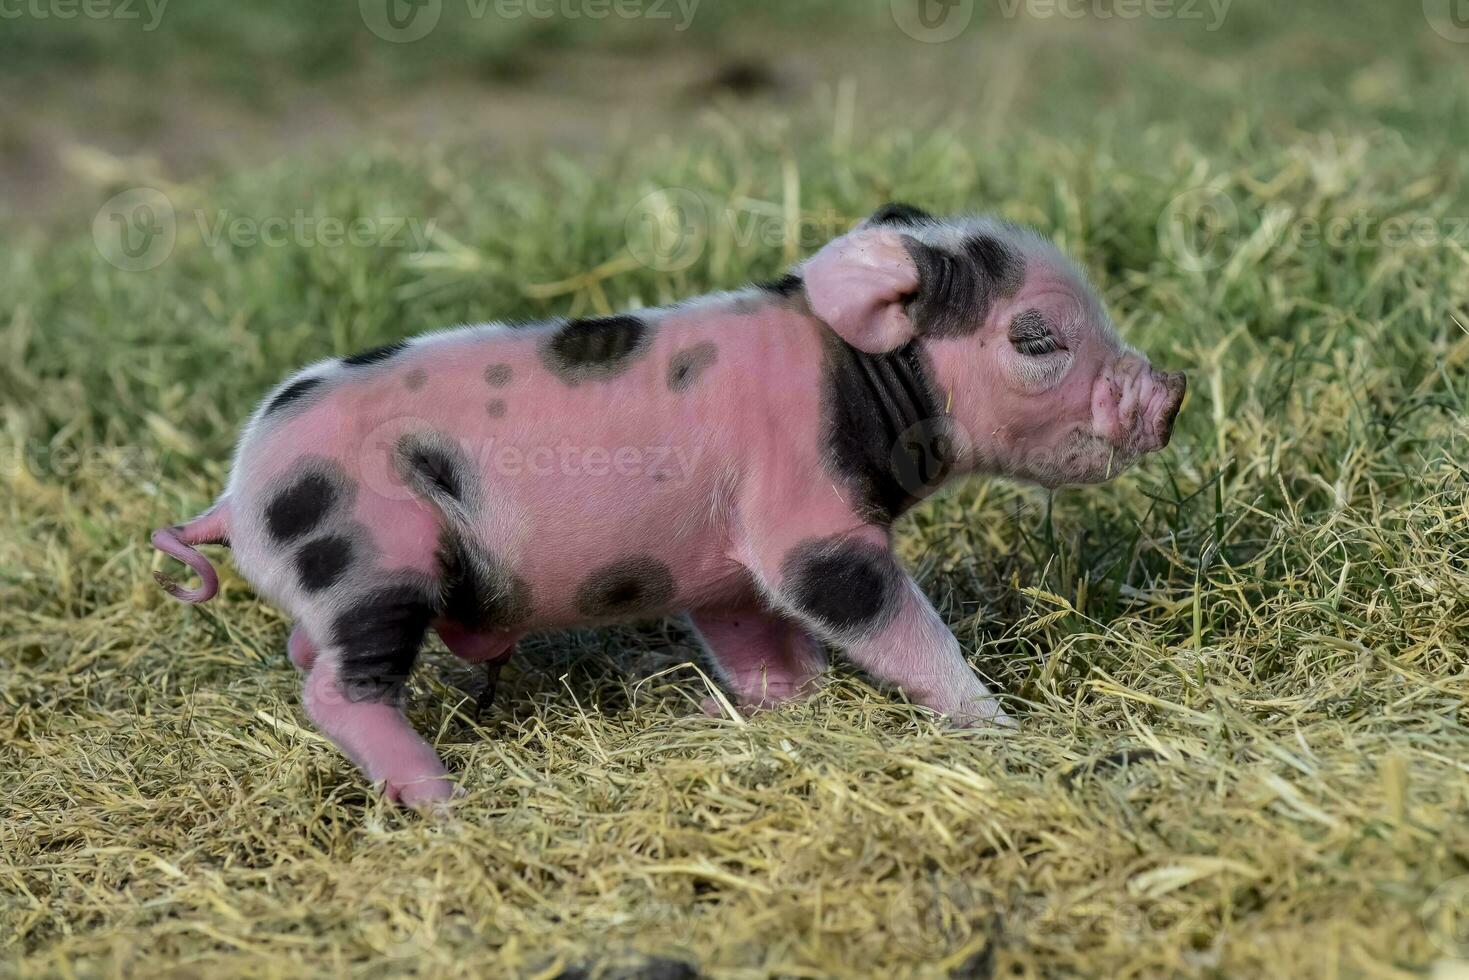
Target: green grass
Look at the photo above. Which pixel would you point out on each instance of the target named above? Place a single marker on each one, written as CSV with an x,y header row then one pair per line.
x,y
1268,621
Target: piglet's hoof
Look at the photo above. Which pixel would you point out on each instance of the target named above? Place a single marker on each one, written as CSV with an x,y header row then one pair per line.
x,y
433,794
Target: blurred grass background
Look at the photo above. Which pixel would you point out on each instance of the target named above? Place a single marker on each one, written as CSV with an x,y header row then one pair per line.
x,y
1240,669
213,82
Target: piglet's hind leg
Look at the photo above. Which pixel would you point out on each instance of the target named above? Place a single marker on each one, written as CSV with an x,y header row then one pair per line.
x,y
378,738
352,691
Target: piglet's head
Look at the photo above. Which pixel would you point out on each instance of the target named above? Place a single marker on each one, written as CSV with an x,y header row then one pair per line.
x,y
1019,348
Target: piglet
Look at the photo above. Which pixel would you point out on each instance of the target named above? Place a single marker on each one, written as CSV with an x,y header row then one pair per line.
x,y
739,458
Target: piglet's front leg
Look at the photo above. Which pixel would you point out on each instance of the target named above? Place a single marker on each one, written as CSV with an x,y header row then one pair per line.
x,y
849,588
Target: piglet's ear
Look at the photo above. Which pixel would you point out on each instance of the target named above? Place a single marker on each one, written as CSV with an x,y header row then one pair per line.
x,y
859,283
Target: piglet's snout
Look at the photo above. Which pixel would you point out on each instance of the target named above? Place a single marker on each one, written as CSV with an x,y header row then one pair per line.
x,y
1135,406
1164,402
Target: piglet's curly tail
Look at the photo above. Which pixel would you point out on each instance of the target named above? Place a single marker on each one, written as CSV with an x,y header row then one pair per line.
x,y
210,527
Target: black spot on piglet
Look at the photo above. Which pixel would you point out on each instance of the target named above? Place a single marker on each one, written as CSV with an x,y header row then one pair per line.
x,y
885,430
435,466
479,591
685,367
639,584
292,392
298,509
621,968
320,563
375,354
957,289
787,285
898,213
378,637
595,348
850,587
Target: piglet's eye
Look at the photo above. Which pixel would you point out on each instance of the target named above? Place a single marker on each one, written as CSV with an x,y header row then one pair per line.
x,y
1031,334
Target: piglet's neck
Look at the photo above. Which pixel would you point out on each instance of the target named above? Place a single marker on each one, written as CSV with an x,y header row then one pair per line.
x,y
889,425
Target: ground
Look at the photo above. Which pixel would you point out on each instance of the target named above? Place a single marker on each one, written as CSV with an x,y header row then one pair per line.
x,y
1239,671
